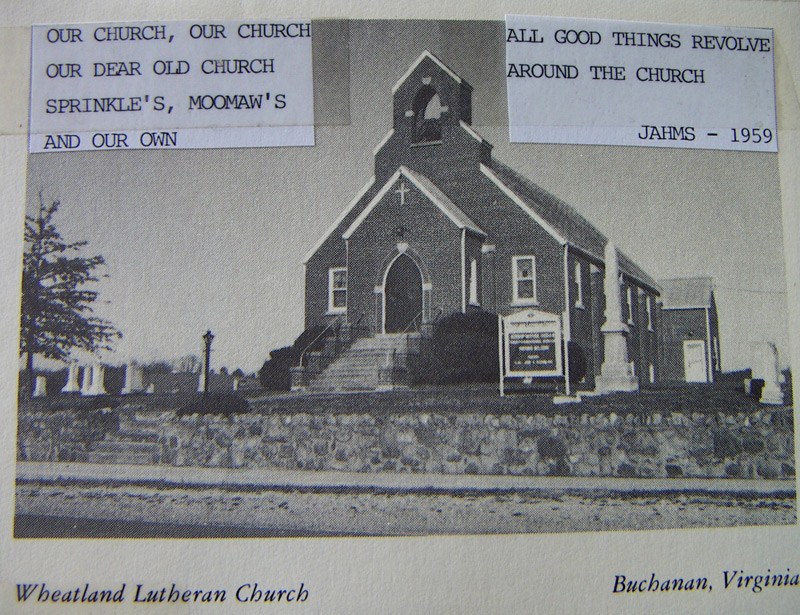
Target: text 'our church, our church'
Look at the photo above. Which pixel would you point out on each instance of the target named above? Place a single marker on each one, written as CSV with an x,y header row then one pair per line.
x,y
465,331
443,227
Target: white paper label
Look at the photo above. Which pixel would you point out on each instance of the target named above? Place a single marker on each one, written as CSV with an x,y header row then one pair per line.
x,y
591,81
179,85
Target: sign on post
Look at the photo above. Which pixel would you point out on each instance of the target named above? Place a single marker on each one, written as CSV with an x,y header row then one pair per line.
x,y
530,345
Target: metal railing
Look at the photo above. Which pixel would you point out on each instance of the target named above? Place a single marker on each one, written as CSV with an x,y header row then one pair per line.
x,y
413,320
354,326
333,323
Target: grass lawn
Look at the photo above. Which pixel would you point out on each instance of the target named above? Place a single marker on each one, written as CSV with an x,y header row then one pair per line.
x,y
725,396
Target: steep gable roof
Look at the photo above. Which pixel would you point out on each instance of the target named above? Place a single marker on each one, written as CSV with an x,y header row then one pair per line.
x,y
687,292
351,207
435,60
566,221
459,218
431,192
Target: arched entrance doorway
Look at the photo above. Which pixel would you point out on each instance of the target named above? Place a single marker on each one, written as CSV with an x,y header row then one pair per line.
x,y
403,292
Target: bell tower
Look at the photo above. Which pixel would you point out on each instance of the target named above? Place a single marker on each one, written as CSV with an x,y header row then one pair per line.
x,y
428,99
431,125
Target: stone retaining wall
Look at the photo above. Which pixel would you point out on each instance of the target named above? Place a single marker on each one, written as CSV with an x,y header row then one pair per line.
x,y
759,445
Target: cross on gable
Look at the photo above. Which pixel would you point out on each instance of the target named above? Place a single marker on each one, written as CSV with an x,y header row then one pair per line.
x,y
402,192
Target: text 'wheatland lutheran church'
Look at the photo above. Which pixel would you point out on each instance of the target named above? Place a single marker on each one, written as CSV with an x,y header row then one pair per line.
x,y
444,227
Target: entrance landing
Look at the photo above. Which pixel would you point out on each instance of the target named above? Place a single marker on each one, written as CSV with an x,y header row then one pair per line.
x,y
370,364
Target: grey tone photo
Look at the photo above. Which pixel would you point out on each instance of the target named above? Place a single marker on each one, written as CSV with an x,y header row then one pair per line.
x,y
314,340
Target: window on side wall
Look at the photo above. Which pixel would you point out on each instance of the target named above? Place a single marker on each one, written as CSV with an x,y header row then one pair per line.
x,y
337,290
523,269
578,285
629,300
473,282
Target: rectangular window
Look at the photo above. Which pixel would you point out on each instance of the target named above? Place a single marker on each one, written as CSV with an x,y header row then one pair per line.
x,y
337,289
629,299
578,285
649,305
473,282
524,273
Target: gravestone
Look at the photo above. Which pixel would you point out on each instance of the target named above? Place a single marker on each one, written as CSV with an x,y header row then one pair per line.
x,y
767,368
97,385
72,385
134,379
40,386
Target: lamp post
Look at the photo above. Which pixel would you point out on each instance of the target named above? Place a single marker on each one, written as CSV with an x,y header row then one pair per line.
x,y
207,338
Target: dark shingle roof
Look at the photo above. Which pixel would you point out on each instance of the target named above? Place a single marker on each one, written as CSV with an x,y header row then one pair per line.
x,y
573,227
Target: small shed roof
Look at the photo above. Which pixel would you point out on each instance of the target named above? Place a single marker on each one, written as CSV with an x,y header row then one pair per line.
x,y
687,292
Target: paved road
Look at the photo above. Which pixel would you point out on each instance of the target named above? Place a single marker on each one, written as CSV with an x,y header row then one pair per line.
x,y
261,478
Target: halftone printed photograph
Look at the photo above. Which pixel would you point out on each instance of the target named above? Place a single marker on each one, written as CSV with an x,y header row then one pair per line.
x,y
411,327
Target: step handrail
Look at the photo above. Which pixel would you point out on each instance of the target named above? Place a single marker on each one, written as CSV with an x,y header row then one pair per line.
x,y
413,320
316,339
358,322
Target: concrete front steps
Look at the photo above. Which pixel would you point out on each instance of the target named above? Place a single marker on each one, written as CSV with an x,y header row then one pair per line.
x,y
136,442
371,363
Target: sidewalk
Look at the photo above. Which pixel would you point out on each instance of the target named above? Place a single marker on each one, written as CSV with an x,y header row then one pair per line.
x,y
282,480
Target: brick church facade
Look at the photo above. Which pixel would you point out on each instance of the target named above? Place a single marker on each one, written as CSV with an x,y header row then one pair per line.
x,y
444,227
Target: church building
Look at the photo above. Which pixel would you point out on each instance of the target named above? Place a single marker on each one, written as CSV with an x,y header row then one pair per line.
x,y
443,227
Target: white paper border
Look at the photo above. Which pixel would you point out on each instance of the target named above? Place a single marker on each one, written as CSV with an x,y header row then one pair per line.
x,y
474,574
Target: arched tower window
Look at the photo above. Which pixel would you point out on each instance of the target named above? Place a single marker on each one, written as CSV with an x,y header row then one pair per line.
x,y
427,116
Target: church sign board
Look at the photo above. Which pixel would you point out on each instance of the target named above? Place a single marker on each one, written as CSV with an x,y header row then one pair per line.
x,y
533,352
531,344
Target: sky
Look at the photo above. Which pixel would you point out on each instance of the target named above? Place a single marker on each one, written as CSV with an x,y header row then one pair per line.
x,y
214,239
